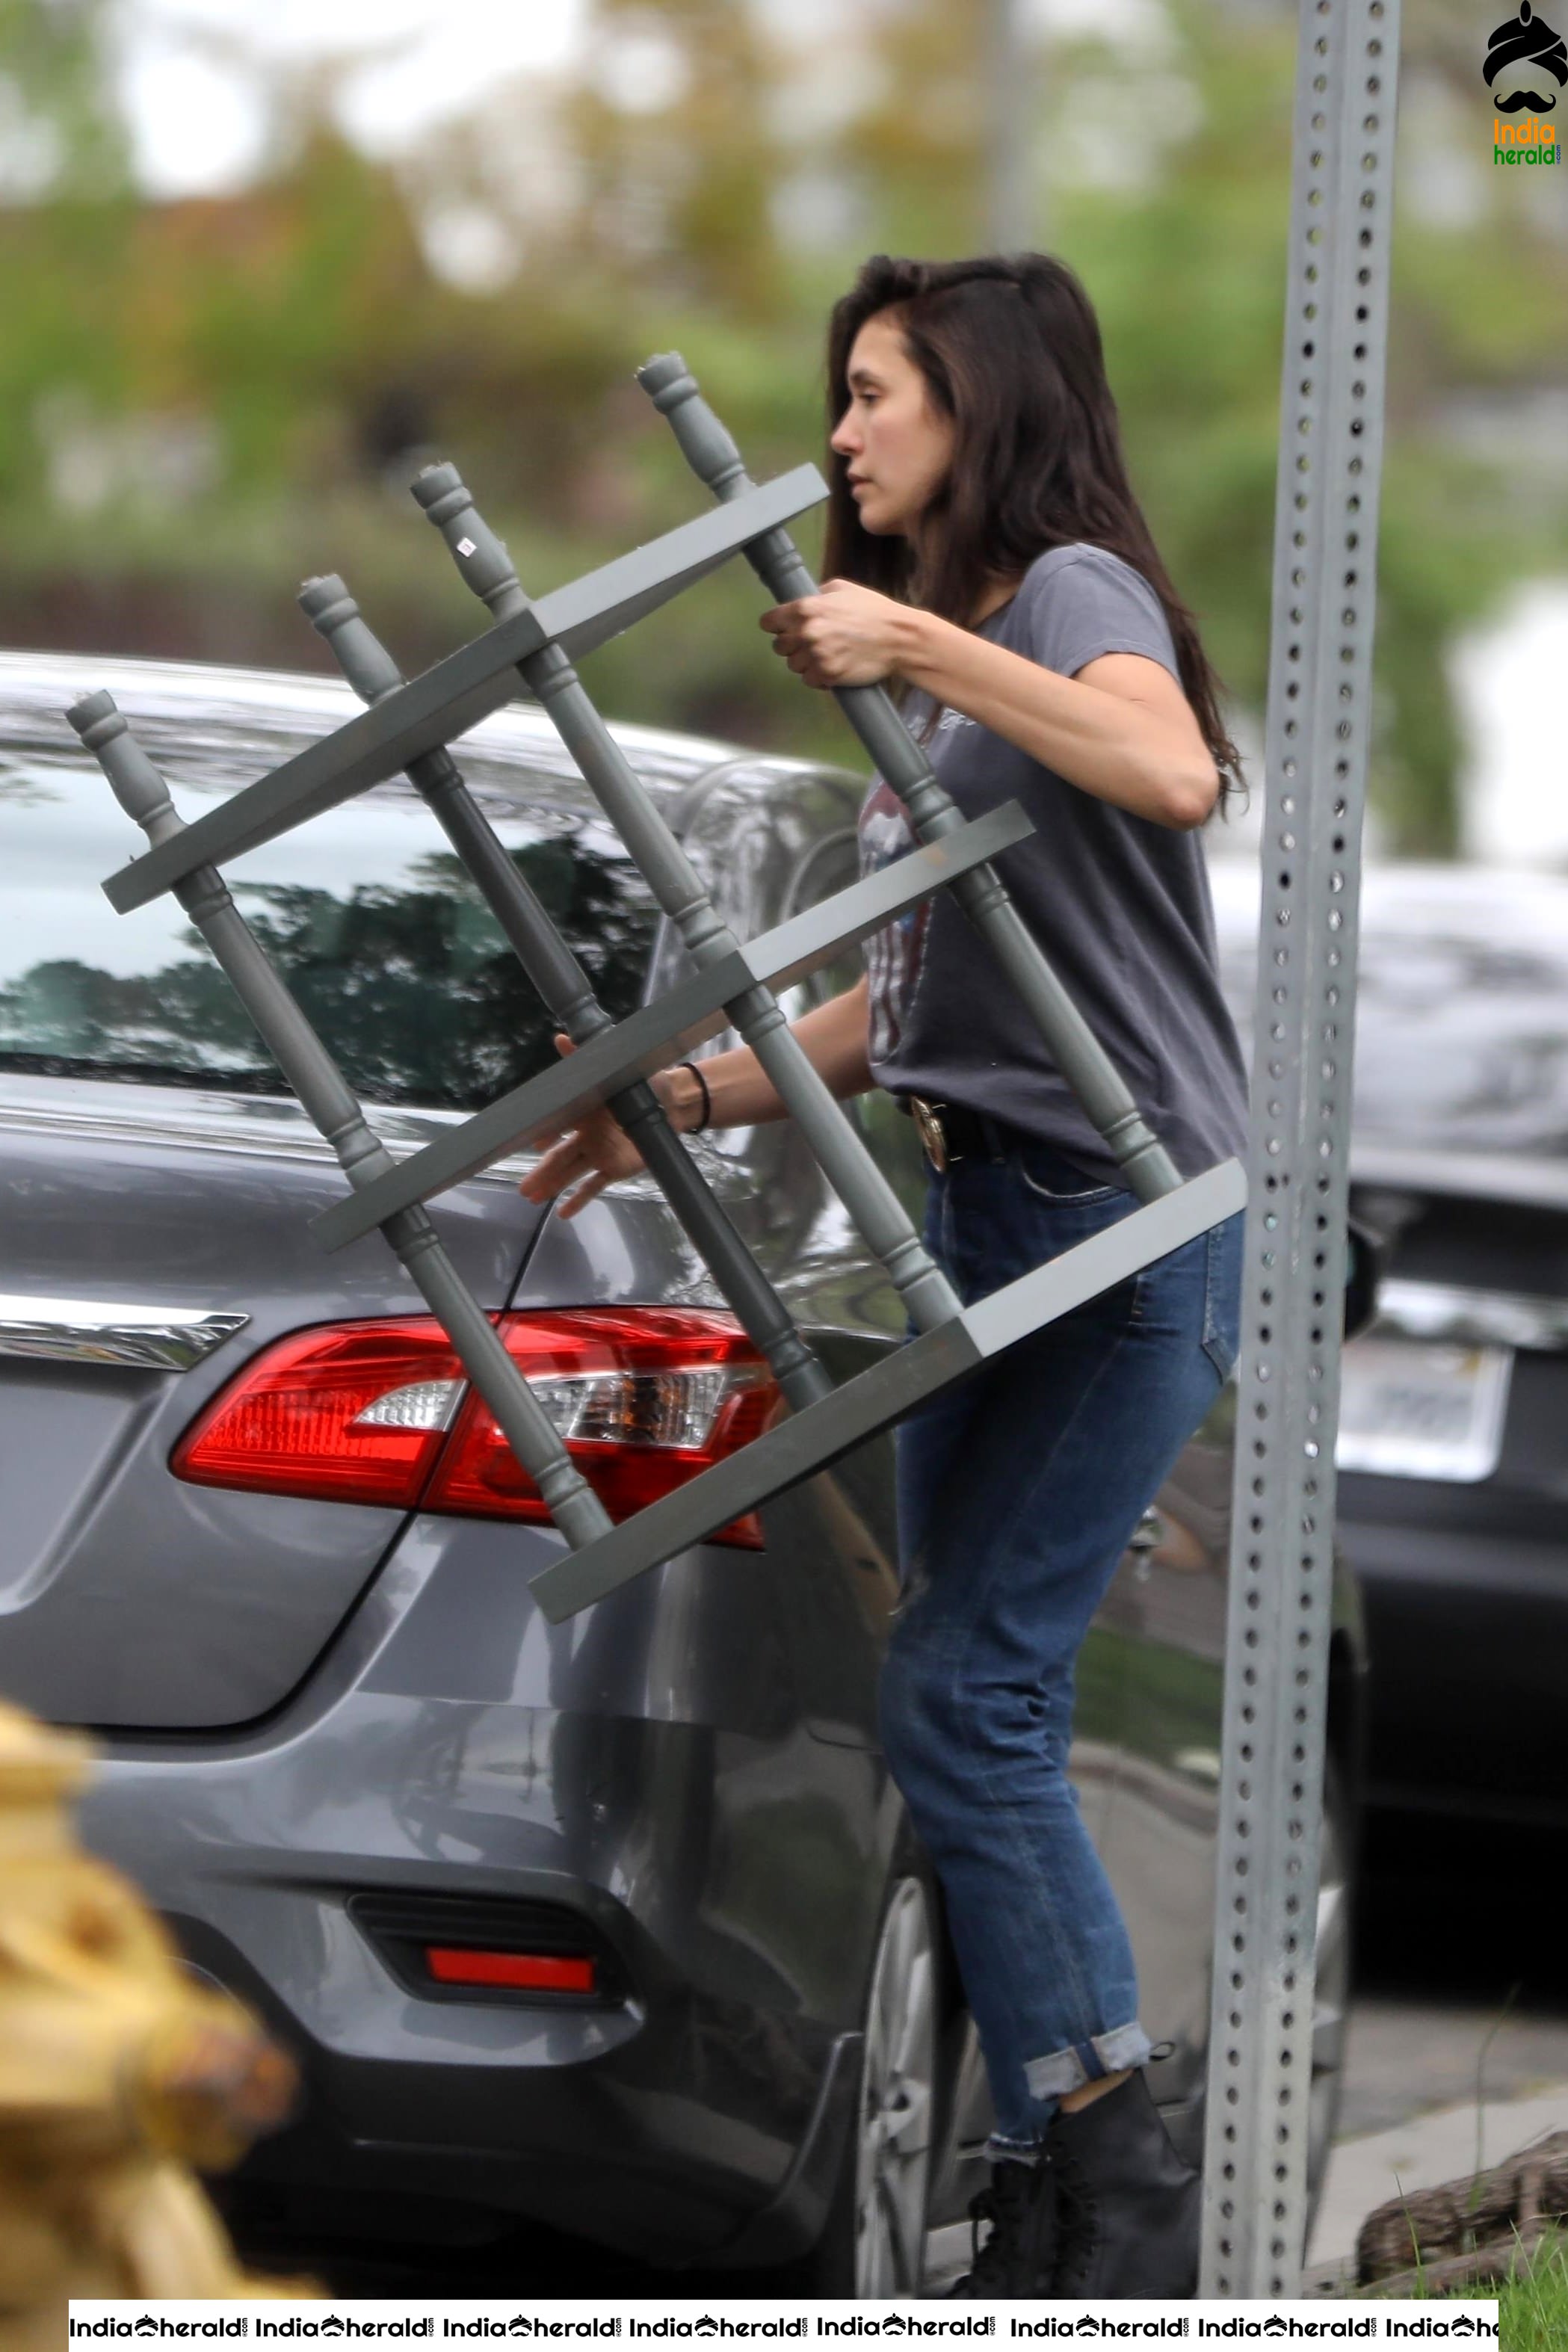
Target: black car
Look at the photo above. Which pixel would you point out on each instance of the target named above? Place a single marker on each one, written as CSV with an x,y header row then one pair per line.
x,y
617,1925
1453,1448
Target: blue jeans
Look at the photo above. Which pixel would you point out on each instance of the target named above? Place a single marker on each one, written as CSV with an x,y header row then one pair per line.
x,y
1018,1493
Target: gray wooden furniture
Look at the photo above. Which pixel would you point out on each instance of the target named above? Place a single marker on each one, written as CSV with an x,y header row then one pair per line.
x,y
407,726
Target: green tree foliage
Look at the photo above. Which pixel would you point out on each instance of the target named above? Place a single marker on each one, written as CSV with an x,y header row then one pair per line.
x,y
65,219
708,177
1188,278
63,139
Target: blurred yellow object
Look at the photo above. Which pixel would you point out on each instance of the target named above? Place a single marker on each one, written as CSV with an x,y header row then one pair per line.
x,y
117,2072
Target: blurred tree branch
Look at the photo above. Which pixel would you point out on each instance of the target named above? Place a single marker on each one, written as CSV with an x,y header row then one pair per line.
x,y
707,174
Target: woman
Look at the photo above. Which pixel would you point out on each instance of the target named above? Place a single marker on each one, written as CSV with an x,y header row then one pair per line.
x,y
987,556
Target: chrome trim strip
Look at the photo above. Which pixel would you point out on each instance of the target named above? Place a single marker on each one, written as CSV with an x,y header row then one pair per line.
x,y
236,1138
104,1331
1437,1310
225,1130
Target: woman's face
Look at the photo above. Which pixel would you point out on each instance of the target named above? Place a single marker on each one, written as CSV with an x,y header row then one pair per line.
x,y
897,447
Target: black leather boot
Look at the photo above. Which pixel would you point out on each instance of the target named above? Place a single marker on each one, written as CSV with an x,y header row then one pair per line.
x,y
1019,2255
1128,2209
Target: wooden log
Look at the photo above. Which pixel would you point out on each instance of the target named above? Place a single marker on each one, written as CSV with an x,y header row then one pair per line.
x,y
1466,2231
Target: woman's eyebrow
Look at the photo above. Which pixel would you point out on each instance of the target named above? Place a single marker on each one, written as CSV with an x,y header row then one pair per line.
x,y
862,375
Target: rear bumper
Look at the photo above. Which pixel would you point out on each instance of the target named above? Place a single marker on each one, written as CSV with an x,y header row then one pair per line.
x,y
702,2112
1467,1690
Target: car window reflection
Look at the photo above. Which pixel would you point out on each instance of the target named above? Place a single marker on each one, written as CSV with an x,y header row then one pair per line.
x,y
405,973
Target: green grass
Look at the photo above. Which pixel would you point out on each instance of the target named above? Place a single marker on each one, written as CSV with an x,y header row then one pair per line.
x,y
1532,2304
1532,2309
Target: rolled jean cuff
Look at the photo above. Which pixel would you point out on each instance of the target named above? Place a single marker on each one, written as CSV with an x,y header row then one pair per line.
x,y
1085,2061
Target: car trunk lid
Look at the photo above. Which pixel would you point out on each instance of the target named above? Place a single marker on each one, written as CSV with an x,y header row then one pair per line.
x,y
155,1239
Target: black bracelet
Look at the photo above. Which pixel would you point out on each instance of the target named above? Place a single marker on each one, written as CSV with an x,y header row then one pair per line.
x,y
707,1097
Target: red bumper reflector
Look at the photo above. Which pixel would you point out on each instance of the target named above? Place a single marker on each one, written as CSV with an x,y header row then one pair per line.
x,y
521,1971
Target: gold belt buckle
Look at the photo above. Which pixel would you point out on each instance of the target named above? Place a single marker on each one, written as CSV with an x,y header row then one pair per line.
x,y
927,1123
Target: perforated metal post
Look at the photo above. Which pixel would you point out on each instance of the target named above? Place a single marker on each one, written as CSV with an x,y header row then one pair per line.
x,y
1320,700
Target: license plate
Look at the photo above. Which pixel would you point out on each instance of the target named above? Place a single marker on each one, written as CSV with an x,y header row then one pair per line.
x,y
1413,1410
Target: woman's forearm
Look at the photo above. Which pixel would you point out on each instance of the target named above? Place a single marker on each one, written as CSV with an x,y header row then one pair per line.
x,y
1153,761
835,1036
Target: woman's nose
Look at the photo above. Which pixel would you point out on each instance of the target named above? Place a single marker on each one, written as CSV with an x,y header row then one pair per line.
x,y
843,438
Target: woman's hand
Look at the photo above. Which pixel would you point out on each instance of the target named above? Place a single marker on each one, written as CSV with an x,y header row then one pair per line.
x,y
844,635
597,1152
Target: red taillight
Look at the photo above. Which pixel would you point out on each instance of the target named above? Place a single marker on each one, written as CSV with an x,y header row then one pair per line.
x,y
377,1412
514,1971
644,1396
354,1411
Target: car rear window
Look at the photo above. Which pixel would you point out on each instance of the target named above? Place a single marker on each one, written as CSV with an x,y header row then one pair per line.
x,y
385,944
1461,1026
1462,1044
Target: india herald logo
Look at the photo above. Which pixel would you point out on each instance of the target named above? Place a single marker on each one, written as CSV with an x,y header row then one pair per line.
x,y
1525,39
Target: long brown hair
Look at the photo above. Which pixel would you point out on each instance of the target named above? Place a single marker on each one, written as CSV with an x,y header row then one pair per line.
x,y
1010,347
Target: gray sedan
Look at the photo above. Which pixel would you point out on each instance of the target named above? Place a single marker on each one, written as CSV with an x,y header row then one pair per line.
x,y
617,1925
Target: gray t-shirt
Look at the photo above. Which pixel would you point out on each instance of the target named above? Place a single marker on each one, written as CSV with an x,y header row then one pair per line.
x,y
1120,905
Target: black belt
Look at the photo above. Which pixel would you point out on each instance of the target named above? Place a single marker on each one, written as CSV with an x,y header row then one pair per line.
x,y
950,1131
